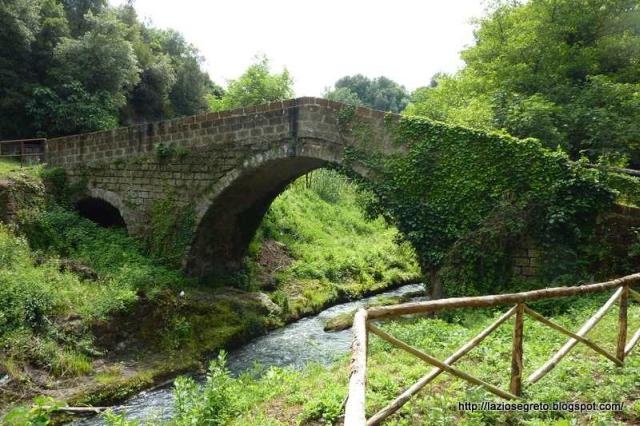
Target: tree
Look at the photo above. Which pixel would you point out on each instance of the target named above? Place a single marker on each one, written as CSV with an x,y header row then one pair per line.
x,y
150,98
76,11
70,108
19,24
458,100
344,95
257,85
564,71
188,93
53,28
102,59
88,80
605,119
379,93
171,81
69,66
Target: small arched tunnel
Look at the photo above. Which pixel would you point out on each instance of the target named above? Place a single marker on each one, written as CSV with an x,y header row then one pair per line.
x,y
226,229
100,212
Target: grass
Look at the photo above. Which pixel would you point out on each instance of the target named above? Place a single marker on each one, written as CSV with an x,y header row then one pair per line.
x,y
46,313
336,254
110,375
45,310
9,167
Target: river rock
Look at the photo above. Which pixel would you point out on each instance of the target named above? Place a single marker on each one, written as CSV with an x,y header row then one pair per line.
x,y
268,304
259,298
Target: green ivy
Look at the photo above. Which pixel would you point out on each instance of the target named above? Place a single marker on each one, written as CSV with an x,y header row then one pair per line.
x,y
58,187
345,116
171,230
465,199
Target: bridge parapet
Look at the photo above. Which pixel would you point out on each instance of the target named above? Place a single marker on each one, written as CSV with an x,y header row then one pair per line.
x,y
315,119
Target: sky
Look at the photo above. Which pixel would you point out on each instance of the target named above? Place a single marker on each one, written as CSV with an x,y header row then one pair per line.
x,y
321,41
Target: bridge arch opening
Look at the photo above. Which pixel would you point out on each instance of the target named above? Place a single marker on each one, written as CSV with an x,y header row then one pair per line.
x,y
230,222
101,212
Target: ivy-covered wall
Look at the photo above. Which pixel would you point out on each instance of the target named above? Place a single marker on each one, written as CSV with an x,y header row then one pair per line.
x,y
469,200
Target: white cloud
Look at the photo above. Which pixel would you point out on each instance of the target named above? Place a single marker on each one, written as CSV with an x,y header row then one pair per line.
x,y
321,41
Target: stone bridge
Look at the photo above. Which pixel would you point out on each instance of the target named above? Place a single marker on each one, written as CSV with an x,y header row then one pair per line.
x,y
226,167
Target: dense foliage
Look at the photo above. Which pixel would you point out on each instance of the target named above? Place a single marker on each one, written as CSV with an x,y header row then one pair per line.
x,y
72,66
40,286
466,199
379,93
541,69
257,85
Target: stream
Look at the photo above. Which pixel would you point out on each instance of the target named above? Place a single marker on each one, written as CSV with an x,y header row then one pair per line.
x,y
294,345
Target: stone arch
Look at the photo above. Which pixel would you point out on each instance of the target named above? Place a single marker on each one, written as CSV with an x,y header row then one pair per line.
x,y
103,207
228,216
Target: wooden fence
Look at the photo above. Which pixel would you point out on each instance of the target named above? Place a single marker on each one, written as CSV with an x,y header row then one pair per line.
x,y
24,150
363,324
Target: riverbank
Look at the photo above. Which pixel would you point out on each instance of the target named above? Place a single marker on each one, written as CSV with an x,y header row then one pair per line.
x,y
132,368
295,345
91,318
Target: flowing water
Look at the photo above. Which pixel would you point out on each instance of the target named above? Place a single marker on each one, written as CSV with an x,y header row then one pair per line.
x,y
294,345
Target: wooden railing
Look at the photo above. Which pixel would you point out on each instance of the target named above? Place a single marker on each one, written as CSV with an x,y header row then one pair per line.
x,y
24,149
364,323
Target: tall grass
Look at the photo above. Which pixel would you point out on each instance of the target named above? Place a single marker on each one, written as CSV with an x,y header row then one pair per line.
x,y
37,293
336,250
11,166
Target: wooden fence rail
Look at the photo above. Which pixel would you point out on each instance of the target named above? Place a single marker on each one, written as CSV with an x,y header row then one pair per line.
x,y
24,149
355,411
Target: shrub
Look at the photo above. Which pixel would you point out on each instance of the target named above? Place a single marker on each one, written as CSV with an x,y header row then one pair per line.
x,y
37,415
210,405
24,298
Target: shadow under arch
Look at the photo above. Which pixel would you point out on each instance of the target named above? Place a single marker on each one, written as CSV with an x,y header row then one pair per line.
x,y
229,217
103,208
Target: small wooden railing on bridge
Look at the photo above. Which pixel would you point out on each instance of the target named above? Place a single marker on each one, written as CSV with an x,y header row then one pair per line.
x,y
27,151
364,323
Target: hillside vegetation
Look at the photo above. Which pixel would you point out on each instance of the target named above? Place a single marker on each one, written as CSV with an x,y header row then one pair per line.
x,y
79,303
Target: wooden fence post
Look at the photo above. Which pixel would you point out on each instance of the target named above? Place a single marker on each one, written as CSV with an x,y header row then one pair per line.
x,y
622,323
355,408
516,355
